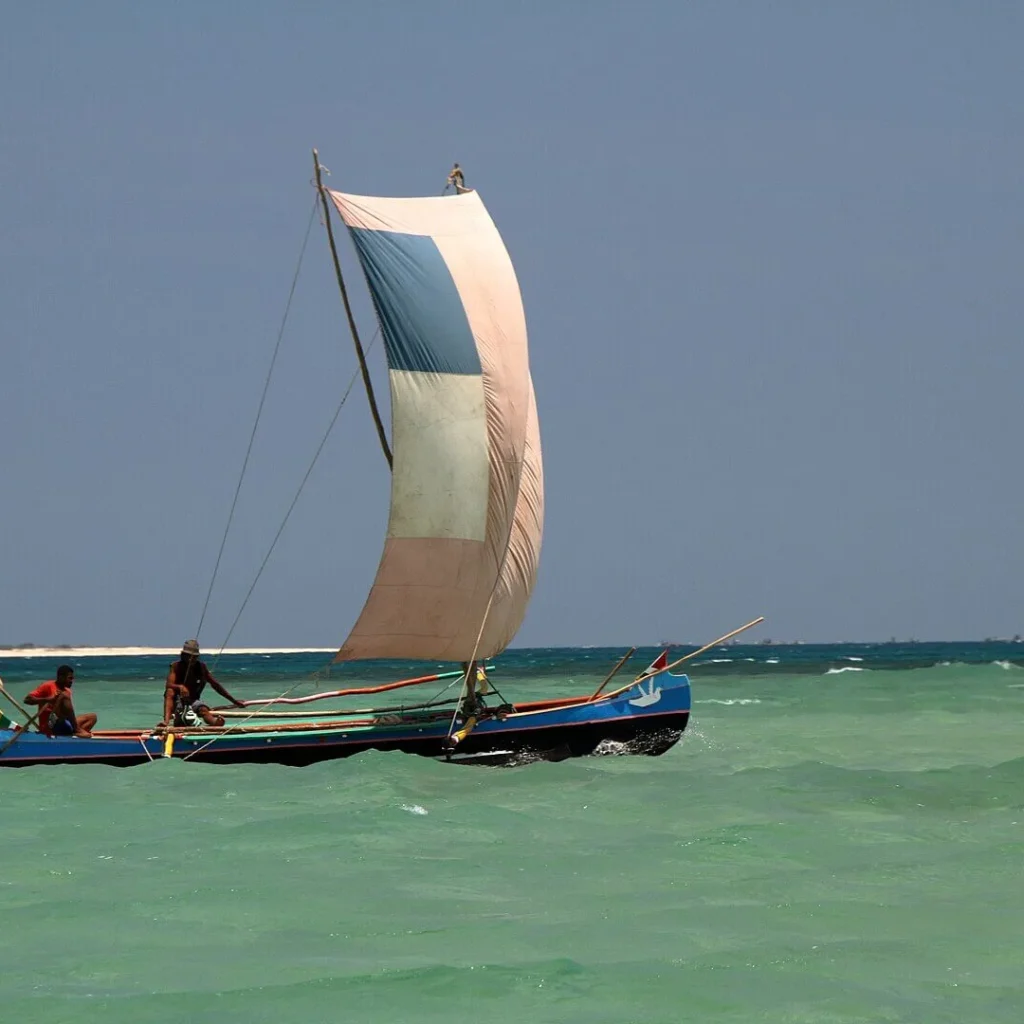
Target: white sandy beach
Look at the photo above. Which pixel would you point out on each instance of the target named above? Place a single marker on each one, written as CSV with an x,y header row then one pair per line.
x,y
134,652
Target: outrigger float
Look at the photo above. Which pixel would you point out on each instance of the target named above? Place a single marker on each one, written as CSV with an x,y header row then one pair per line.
x,y
464,531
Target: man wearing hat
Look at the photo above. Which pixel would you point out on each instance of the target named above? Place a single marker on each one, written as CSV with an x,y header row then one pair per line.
x,y
183,703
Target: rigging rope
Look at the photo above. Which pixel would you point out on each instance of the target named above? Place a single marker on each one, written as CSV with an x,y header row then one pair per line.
x,y
259,413
291,507
270,551
295,499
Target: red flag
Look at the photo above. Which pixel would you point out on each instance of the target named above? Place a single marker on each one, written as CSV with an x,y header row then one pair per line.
x,y
659,664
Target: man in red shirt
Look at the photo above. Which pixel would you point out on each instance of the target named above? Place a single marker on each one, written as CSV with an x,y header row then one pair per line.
x,y
57,715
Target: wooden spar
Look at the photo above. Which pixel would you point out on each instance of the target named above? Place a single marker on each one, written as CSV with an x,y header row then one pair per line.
x,y
614,672
393,709
346,693
707,647
18,733
234,731
364,369
313,715
29,717
686,657
529,708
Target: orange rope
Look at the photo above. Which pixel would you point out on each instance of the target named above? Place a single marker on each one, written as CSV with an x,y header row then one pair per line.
x,y
350,693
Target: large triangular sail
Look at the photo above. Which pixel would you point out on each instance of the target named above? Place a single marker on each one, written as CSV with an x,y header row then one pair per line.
x,y
467,494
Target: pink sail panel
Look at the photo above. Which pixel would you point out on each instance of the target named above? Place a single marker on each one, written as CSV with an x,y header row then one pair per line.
x,y
464,530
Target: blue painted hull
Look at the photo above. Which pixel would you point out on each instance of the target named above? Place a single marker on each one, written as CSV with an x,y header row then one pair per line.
x,y
644,719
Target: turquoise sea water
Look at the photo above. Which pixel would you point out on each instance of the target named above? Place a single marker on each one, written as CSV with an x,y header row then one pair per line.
x,y
823,845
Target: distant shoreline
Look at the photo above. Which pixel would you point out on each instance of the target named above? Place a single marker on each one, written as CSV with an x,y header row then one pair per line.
x,y
67,652
114,652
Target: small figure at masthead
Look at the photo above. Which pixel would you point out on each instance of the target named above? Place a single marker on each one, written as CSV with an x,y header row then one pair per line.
x,y
456,178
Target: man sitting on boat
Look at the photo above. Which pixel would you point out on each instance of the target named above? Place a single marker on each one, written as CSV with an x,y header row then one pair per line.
x,y
57,715
183,703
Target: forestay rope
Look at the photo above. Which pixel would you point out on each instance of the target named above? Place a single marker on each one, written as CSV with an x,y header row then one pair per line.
x,y
259,413
298,493
295,500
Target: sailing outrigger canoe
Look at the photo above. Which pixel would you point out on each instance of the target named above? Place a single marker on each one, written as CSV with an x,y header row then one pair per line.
x,y
464,531
646,718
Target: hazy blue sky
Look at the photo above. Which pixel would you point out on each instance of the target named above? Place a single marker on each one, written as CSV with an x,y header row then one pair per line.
x,y
771,257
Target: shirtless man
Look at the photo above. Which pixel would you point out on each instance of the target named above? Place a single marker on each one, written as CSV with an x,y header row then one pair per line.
x,y
183,691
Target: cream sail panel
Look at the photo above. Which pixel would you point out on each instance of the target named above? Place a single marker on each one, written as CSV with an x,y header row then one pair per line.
x,y
441,477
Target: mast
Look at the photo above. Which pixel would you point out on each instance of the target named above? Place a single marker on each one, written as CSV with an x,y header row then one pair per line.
x,y
368,384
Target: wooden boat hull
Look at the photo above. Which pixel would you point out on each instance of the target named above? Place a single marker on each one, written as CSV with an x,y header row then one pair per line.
x,y
647,719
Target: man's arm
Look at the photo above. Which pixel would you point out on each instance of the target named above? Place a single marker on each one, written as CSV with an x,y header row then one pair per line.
x,y
220,689
37,696
170,688
34,698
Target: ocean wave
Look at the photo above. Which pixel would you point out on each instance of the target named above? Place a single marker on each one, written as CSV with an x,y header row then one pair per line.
x,y
611,748
890,780
845,668
734,700
1002,663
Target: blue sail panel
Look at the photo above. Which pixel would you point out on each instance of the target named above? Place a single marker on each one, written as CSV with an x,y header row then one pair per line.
x,y
421,314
